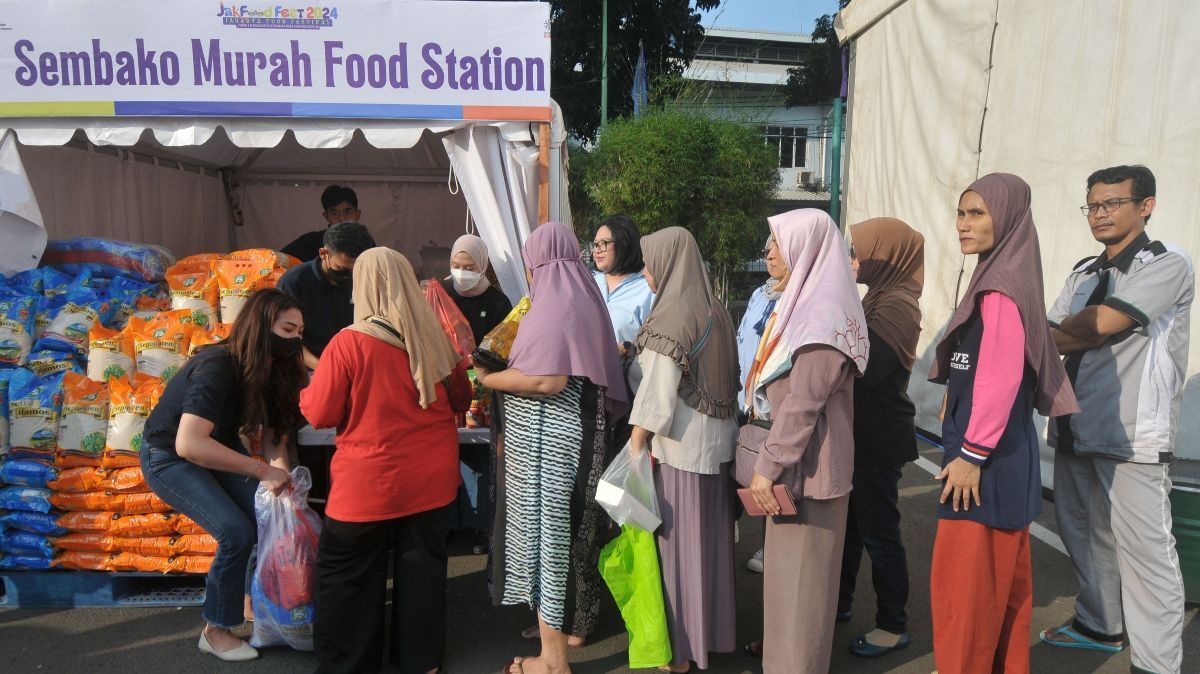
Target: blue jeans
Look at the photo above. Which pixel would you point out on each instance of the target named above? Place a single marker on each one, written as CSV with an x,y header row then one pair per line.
x,y
222,503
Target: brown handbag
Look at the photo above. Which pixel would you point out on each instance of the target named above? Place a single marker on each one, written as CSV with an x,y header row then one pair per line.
x,y
752,438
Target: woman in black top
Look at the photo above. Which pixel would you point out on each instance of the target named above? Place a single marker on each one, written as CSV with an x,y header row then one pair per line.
x,y
483,305
889,258
193,457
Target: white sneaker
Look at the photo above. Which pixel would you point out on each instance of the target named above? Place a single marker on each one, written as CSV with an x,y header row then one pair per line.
x,y
756,562
242,653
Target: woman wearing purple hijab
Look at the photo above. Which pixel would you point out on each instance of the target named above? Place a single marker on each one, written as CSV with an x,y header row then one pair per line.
x,y
563,382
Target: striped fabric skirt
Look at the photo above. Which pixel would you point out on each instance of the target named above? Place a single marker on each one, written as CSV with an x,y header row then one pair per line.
x,y
549,529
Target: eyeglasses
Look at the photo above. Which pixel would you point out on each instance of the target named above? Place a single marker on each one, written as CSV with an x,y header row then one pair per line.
x,y
1109,205
344,213
601,245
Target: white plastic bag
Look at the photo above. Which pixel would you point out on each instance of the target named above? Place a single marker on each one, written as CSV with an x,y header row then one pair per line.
x,y
626,491
285,581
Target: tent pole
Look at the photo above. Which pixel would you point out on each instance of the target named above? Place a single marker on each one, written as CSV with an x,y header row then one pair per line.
x,y
543,172
835,196
604,64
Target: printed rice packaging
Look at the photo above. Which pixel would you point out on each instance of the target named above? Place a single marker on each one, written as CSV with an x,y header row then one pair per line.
x,y
160,346
196,292
129,407
17,315
34,405
238,280
84,427
110,354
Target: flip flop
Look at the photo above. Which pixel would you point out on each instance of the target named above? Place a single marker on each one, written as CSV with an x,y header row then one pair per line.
x,y
1077,640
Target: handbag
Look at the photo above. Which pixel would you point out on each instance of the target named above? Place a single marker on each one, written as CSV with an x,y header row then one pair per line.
x,y
752,439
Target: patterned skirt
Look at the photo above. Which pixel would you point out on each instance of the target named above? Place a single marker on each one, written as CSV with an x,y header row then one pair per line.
x,y
548,528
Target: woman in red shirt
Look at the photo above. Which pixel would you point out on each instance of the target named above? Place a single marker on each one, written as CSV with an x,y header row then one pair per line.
x,y
391,383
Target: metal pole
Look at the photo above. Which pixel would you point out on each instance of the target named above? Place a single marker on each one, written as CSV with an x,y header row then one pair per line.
x,y
835,177
604,64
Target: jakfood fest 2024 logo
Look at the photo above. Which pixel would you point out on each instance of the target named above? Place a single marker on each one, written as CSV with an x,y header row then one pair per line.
x,y
277,16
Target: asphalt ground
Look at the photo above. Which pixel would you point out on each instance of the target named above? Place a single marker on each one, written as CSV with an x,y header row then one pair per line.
x,y
482,638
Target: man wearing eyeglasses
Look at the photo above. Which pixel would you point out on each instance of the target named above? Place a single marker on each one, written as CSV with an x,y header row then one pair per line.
x,y
338,204
1122,324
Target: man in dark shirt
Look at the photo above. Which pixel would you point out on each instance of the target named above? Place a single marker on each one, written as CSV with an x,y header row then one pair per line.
x,y
323,286
338,204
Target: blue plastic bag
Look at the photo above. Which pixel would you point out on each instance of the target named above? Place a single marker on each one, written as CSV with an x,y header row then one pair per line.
x,y
28,499
27,544
27,473
19,562
45,524
106,257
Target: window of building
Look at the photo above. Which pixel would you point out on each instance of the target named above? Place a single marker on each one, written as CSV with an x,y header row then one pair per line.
x,y
790,143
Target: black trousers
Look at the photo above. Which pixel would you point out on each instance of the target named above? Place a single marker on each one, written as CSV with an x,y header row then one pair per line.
x,y
874,524
352,575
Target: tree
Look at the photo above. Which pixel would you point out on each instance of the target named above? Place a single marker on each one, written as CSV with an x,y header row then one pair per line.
x,y
819,78
713,177
669,30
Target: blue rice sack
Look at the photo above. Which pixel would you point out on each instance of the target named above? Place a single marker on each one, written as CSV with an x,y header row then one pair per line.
x,y
28,282
24,562
45,524
56,283
45,363
5,376
17,313
26,544
68,329
26,499
27,473
34,407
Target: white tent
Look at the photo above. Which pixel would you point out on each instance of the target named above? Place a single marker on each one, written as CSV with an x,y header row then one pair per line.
x,y
942,92
197,185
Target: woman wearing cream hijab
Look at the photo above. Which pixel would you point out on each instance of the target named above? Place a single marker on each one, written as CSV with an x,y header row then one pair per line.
x,y
391,384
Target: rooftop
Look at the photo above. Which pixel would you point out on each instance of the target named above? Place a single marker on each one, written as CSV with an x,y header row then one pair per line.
x,y
763,35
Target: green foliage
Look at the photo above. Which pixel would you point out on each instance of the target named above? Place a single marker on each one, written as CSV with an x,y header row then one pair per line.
x,y
673,168
819,78
669,30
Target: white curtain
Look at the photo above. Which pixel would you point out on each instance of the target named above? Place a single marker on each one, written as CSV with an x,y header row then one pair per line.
x,y
22,236
129,198
494,182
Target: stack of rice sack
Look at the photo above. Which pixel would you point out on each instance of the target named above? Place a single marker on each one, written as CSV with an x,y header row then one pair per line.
x,y
87,360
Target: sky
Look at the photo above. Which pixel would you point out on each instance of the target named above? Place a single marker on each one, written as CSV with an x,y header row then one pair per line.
x,y
790,16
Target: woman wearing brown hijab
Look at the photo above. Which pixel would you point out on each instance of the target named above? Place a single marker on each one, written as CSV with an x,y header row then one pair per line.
x,y
999,363
889,257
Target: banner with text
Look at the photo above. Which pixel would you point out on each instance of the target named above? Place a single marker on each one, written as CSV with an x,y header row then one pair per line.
x,y
396,59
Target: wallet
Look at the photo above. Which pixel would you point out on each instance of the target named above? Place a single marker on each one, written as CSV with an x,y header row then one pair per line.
x,y
783,497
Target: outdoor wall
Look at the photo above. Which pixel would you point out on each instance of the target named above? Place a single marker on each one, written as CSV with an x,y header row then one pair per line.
x,y
1068,87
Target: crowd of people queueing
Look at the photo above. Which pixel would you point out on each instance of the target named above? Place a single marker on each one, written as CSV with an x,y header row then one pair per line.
x,y
809,392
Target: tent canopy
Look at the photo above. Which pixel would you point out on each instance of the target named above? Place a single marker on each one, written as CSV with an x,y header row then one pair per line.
x,y
216,184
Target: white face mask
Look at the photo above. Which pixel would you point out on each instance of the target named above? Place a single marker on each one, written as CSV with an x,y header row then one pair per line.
x,y
464,280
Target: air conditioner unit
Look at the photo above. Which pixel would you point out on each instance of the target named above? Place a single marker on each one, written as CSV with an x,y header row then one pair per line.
x,y
804,177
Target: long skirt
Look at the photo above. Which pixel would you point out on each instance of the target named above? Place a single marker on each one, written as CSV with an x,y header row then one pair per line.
x,y
695,549
548,527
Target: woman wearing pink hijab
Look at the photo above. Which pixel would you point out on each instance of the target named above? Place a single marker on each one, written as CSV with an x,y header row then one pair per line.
x,y
800,399
563,383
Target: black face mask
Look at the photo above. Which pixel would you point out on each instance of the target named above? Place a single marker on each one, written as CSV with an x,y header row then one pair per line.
x,y
285,348
340,277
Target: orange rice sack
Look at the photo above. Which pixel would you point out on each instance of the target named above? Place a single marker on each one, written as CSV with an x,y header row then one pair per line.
x,y
197,293
86,521
191,564
238,280
85,542
83,424
168,546
152,524
148,308
77,480
128,410
132,561
83,561
200,260
187,525
274,257
110,354
160,345
125,504
127,481
201,338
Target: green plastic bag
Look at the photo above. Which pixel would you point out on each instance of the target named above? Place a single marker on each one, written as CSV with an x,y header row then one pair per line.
x,y
629,565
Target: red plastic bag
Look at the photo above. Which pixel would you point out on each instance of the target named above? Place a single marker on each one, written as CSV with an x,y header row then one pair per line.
x,y
451,318
285,579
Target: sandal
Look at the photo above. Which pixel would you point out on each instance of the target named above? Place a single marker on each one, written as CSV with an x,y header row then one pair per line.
x,y
865,649
1067,637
